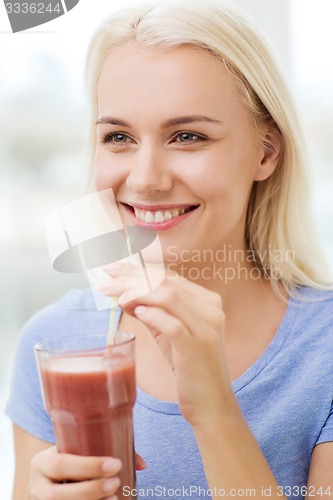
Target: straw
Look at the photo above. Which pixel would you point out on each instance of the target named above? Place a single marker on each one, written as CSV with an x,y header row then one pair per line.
x,y
112,325
113,310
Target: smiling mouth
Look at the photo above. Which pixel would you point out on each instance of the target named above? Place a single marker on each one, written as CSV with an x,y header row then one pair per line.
x,y
158,216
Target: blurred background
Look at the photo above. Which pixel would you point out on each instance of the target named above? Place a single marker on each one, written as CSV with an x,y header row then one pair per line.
x,y
43,122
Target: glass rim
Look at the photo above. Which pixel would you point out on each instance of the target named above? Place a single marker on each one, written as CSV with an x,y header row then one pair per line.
x,y
41,347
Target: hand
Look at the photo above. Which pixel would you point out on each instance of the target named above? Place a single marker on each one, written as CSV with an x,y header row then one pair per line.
x,y
93,478
187,322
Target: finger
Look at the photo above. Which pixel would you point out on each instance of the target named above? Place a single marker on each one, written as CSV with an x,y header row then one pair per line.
x,y
121,268
160,322
125,289
128,287
187,308
133,289
59,466
188,354
163,342
140,463
116,286
85,490
171,334
169,295
127,269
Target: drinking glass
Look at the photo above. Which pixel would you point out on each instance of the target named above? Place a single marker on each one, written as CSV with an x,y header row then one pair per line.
x,y
89,392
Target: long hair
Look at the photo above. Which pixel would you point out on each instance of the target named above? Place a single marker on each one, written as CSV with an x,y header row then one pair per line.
x,y
279,230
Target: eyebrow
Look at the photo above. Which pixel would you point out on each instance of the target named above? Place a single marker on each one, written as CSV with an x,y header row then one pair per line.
x,y
169,123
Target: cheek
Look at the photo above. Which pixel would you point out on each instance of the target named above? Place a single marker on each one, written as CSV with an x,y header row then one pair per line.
x,y
232,175
226,192
106,175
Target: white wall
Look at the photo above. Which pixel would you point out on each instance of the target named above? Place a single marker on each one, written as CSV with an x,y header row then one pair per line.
x,y
272,18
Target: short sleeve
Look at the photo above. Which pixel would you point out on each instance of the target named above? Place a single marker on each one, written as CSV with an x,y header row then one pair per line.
x,y
326,434
25,405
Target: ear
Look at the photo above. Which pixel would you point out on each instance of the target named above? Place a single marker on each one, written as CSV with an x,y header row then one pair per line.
x,y
271,152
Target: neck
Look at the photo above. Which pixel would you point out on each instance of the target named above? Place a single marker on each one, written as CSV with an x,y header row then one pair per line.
x,y
233,275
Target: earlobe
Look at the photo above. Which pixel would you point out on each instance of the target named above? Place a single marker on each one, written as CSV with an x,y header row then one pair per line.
x,y
271,153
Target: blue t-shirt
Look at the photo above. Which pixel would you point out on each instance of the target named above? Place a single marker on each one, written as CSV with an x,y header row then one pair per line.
x,y
286,397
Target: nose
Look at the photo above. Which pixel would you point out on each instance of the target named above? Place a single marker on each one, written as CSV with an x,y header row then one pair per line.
x,y
149,171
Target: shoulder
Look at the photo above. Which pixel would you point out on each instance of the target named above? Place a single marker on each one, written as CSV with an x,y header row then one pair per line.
x,y
74,313
312,305
311,321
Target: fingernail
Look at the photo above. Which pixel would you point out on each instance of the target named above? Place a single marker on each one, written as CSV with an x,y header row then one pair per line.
x,y
111,484
111,465
109,268
141,464
139,310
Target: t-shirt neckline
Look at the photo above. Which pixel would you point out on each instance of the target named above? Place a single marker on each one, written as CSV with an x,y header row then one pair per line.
x,y
271,350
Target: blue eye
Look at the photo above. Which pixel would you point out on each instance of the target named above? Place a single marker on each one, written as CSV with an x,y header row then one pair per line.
x,y
116,138
119,138
187,137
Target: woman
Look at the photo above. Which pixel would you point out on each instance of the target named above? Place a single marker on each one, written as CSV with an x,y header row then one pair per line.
x,y
196,135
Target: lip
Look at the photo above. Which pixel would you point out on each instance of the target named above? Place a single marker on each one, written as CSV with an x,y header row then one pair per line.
x,y
156,208
158,226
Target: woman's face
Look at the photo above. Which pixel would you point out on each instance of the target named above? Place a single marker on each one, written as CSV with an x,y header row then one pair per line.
x,y
174,135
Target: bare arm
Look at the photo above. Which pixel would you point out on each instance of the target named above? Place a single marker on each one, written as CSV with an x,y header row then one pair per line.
x,y
26,446
320,482
233,460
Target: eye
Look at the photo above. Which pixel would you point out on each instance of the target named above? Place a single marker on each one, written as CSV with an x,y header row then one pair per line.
x,y
116,138
188,137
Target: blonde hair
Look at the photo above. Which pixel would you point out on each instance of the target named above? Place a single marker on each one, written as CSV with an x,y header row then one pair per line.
x,y
278,220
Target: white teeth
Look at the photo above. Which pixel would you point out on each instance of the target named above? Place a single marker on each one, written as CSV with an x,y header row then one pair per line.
x,y
159,216
149,217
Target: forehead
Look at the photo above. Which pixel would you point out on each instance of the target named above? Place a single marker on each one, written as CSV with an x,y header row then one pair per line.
x,y
183,77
